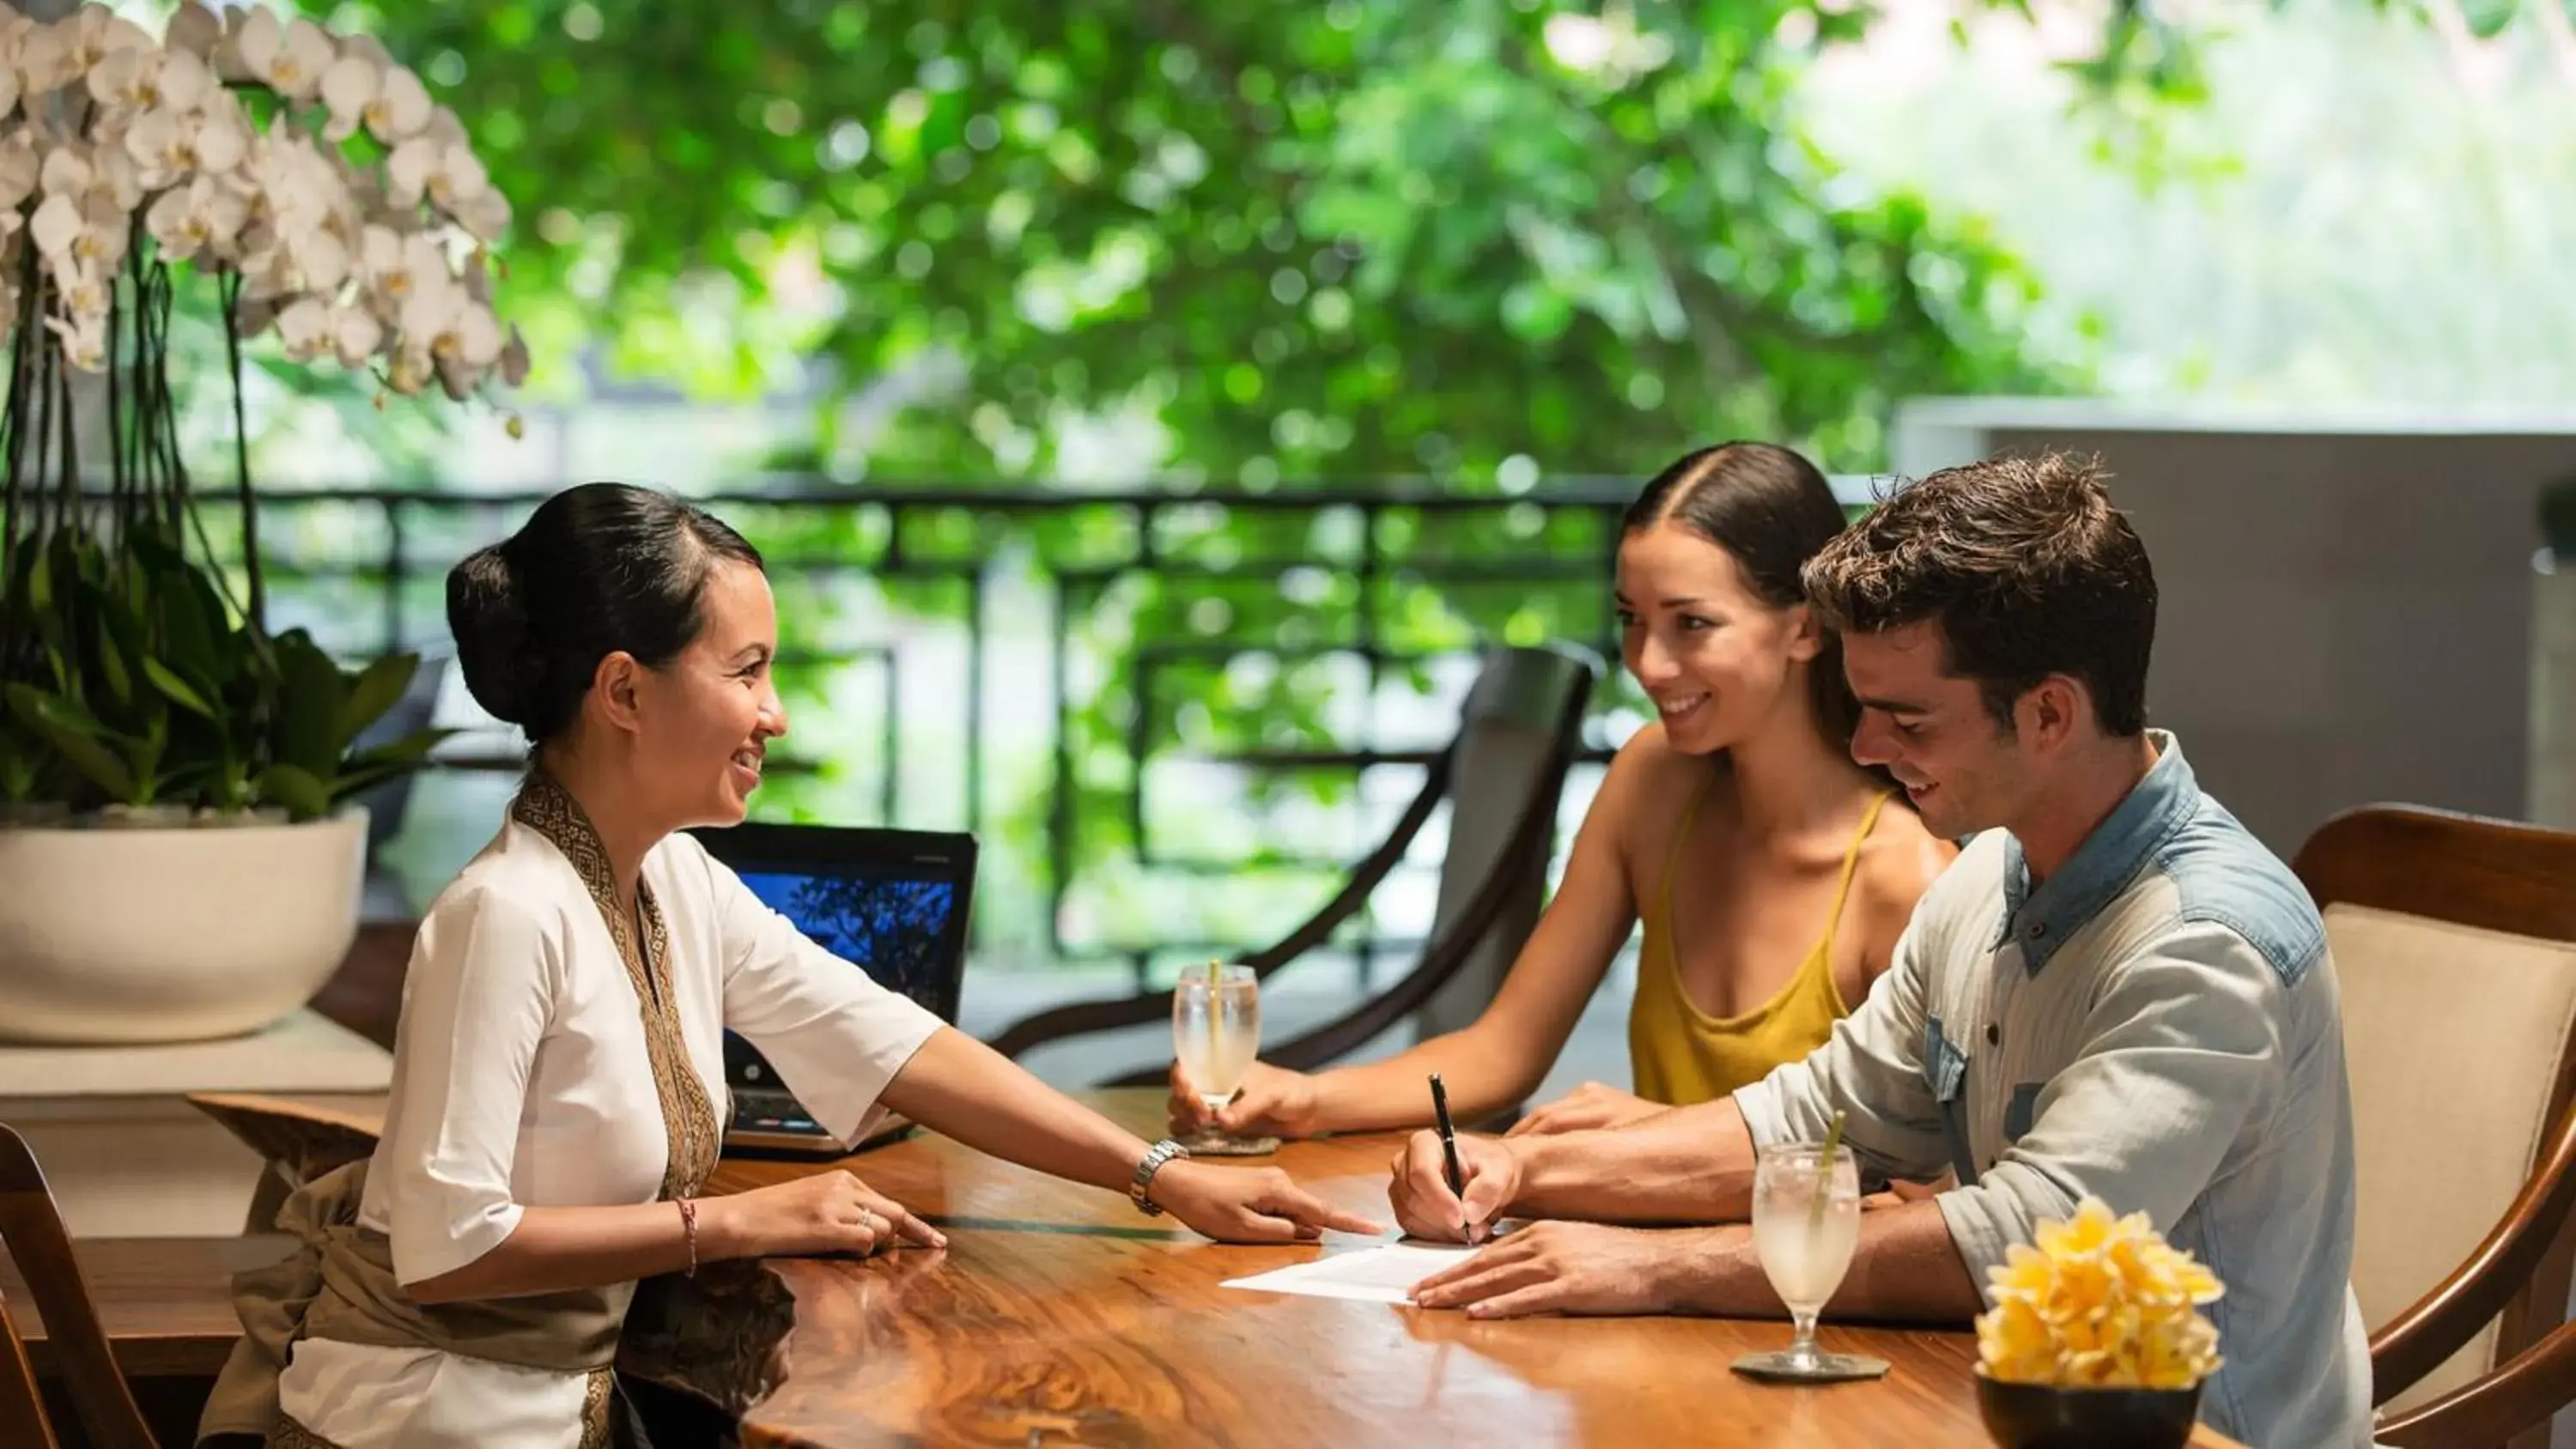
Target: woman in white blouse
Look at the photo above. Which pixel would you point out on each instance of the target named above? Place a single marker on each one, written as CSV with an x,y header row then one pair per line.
x,y
559,1057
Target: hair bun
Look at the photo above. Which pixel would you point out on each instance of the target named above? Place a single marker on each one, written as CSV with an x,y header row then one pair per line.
x,y
489,617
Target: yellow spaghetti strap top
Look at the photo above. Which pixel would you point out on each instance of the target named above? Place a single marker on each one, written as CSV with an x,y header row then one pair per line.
x,y
1680,1054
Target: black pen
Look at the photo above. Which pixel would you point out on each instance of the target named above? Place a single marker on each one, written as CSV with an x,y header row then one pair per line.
x,y
1448,1137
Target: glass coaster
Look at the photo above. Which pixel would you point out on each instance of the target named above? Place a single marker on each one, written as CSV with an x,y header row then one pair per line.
x,y
1811,1368
1226,1145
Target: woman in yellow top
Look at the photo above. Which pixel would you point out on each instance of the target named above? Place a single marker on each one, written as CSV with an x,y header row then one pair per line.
x,y
1771,874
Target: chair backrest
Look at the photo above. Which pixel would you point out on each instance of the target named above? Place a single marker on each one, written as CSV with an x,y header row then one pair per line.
x,y
2454,943
1513,745
31,1229
22,1402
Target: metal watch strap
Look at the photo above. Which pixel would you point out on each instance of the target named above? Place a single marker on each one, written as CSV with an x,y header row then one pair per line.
x,y
1155,1156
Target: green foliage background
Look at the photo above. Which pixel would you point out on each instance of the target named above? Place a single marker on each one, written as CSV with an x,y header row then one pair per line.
x,y
1455,245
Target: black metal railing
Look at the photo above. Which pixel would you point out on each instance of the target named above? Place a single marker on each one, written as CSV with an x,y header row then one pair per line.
x,y
1296,643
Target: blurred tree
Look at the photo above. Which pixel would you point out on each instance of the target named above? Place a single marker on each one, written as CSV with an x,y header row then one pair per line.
x,y
1474,240
1352,239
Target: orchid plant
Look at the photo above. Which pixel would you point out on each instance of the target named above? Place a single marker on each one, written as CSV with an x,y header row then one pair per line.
x,y
330,201
363,252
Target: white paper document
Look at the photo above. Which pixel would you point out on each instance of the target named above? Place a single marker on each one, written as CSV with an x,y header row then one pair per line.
x,y
1370,1275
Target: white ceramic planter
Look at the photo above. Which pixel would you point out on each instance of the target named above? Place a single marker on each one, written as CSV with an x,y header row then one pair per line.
x,y
121,936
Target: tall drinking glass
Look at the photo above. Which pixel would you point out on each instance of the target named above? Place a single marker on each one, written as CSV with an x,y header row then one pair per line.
x,y
1806,1222
1216,1032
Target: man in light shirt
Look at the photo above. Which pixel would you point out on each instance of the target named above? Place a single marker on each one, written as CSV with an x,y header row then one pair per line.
x,y
2115,991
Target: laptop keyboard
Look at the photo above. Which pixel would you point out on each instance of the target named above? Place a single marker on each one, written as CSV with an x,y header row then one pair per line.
x,y
770,1109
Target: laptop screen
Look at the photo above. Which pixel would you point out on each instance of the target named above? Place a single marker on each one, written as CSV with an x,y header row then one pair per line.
x,y
894,927
892,903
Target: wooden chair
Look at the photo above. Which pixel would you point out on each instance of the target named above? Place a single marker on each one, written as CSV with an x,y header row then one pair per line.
x,y
2454,943
1504,772
31,1228
2518,1399
22,1401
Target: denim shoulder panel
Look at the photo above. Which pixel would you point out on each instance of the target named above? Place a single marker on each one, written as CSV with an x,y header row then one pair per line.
x,y
2222,875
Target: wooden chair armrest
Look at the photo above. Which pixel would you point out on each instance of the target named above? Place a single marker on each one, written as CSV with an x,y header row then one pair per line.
x,y
2521,1395
1081,1018
1440,960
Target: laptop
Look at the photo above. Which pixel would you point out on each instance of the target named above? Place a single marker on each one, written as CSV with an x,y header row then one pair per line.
x,y
892,903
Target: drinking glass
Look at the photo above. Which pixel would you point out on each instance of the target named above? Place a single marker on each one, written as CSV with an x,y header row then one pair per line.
x,y
1806,1222
1216,1033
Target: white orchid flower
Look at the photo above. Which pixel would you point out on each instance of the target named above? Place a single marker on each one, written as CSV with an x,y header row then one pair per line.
x,y
304,328
20,169
81,283
84,338
355,334
47,62
396,267
401,108
12,33
444,172
119,182
485,214
223,133
67,171
73,229
137,80
300,186
389,101
167,143
444,128
195,30
321,255
95,32
124,79
347,87
56,226
203,217
452,325
287,59
310,327
367,47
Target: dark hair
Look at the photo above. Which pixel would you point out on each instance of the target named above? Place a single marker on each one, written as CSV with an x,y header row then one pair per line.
x,y
596,569
1771,510
2027,567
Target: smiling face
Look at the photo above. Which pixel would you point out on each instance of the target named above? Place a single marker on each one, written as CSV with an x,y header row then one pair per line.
x,y
1717,660
702,721
1963,771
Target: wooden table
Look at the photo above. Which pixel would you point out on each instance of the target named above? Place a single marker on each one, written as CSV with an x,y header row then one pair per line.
x,y
1059,1316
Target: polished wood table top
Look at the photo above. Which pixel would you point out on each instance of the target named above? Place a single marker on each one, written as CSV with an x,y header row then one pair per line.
x,y
1059,1316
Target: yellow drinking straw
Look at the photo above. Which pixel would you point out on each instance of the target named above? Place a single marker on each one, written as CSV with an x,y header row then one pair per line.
x,y
1825,1172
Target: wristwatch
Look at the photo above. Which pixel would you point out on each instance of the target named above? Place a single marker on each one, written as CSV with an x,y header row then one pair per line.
x,y
1155,1156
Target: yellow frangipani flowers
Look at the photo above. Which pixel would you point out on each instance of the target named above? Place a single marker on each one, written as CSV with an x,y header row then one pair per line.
x,y
2101,1302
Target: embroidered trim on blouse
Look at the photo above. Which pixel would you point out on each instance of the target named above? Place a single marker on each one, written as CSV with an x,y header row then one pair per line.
x,y
688,1118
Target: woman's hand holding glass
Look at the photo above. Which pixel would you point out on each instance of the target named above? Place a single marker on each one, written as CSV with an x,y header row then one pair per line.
x,y
1268,1101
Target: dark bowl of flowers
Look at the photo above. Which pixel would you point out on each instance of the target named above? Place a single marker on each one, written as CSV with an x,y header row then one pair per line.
x,y
2078,1416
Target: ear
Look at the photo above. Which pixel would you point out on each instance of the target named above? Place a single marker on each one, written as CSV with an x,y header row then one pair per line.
x,y
2054,711
1806,636
618,685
